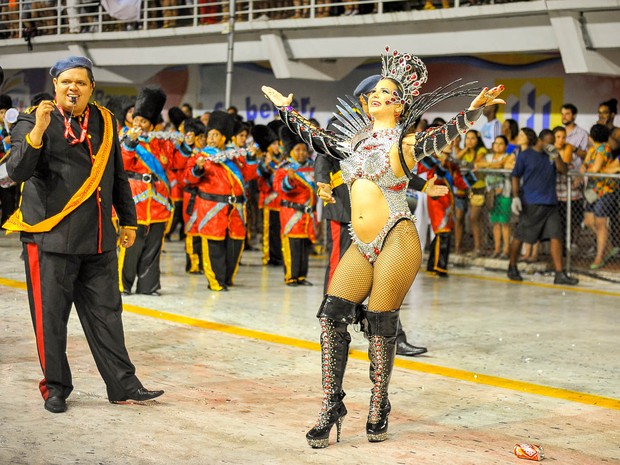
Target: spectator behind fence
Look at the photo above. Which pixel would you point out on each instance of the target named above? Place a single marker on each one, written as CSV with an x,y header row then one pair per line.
x,y
607,112
492,128
536,203
600,194
498,200
575,135
473,152
574,162
525,138
510,129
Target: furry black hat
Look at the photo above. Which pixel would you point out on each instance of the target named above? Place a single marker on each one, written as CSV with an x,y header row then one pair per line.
x,y
5,102
39,97
176,116
223,122
240,126
275,126
150,103
194,125
263,136
289,140
116,104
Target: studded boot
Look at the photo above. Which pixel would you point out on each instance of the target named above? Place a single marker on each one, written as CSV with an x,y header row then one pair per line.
x,y
334,316
381,330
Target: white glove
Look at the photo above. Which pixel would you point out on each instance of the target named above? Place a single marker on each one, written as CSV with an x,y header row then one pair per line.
x,y
552,151
516,205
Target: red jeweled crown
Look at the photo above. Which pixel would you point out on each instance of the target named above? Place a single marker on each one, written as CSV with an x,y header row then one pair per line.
x,y
408,70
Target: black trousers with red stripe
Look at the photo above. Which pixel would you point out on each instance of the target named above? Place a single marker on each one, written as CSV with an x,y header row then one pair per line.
x,y
338,241
55,282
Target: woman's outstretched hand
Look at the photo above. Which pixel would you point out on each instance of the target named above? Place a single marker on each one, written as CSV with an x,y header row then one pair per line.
x,y
276,97
487,97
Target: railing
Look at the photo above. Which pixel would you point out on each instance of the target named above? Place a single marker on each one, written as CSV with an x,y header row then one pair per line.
x,y
580,241
30,19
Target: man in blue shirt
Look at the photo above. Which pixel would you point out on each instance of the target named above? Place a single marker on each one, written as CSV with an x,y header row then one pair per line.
x,y
536,202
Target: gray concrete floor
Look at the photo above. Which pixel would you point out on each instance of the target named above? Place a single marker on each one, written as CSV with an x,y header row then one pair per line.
x,y
507,363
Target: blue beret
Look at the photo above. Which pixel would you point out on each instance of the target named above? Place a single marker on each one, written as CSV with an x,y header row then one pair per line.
x,y
70,63
366,85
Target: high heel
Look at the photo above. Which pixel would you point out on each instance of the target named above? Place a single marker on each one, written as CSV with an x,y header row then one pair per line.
x,y
381,330
332,414
377,431
334,316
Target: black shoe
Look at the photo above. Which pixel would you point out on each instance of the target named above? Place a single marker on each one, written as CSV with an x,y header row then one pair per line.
x,y
293,284
442,274
140,395
409,350
55,404
126,292
563,278
303,282
514,275
154,293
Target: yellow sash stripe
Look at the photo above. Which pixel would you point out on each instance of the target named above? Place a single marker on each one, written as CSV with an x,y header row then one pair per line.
x,y
335,179
16,223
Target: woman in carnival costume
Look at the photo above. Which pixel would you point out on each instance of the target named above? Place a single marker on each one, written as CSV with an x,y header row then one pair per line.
x,y
376,155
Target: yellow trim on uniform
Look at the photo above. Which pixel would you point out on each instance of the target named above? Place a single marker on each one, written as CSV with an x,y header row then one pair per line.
x,y
266,233
121,261
194,258
234,273
335,179
288,259
207,267
31,144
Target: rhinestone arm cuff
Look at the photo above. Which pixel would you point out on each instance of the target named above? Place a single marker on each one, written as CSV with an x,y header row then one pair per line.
x,y
318,139
434,140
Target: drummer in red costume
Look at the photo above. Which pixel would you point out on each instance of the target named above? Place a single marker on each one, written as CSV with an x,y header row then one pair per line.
x,y
269,200
294,181
215,199
148,159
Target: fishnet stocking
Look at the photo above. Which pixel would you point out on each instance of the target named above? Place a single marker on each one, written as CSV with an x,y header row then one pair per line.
x,y
391,276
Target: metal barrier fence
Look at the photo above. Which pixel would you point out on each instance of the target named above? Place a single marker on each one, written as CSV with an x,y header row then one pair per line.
x,y
28,19
582,235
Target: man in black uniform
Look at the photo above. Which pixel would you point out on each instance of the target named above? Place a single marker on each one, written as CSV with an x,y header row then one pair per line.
x,y
67,154
338,214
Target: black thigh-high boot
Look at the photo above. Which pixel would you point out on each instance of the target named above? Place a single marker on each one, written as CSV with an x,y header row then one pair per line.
x,y
334,315
381,330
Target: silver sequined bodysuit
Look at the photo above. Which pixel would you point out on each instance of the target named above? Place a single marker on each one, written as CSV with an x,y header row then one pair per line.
x,y
371,161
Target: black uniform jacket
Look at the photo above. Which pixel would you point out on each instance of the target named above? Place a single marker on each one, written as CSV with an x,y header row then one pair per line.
x,y
53,173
